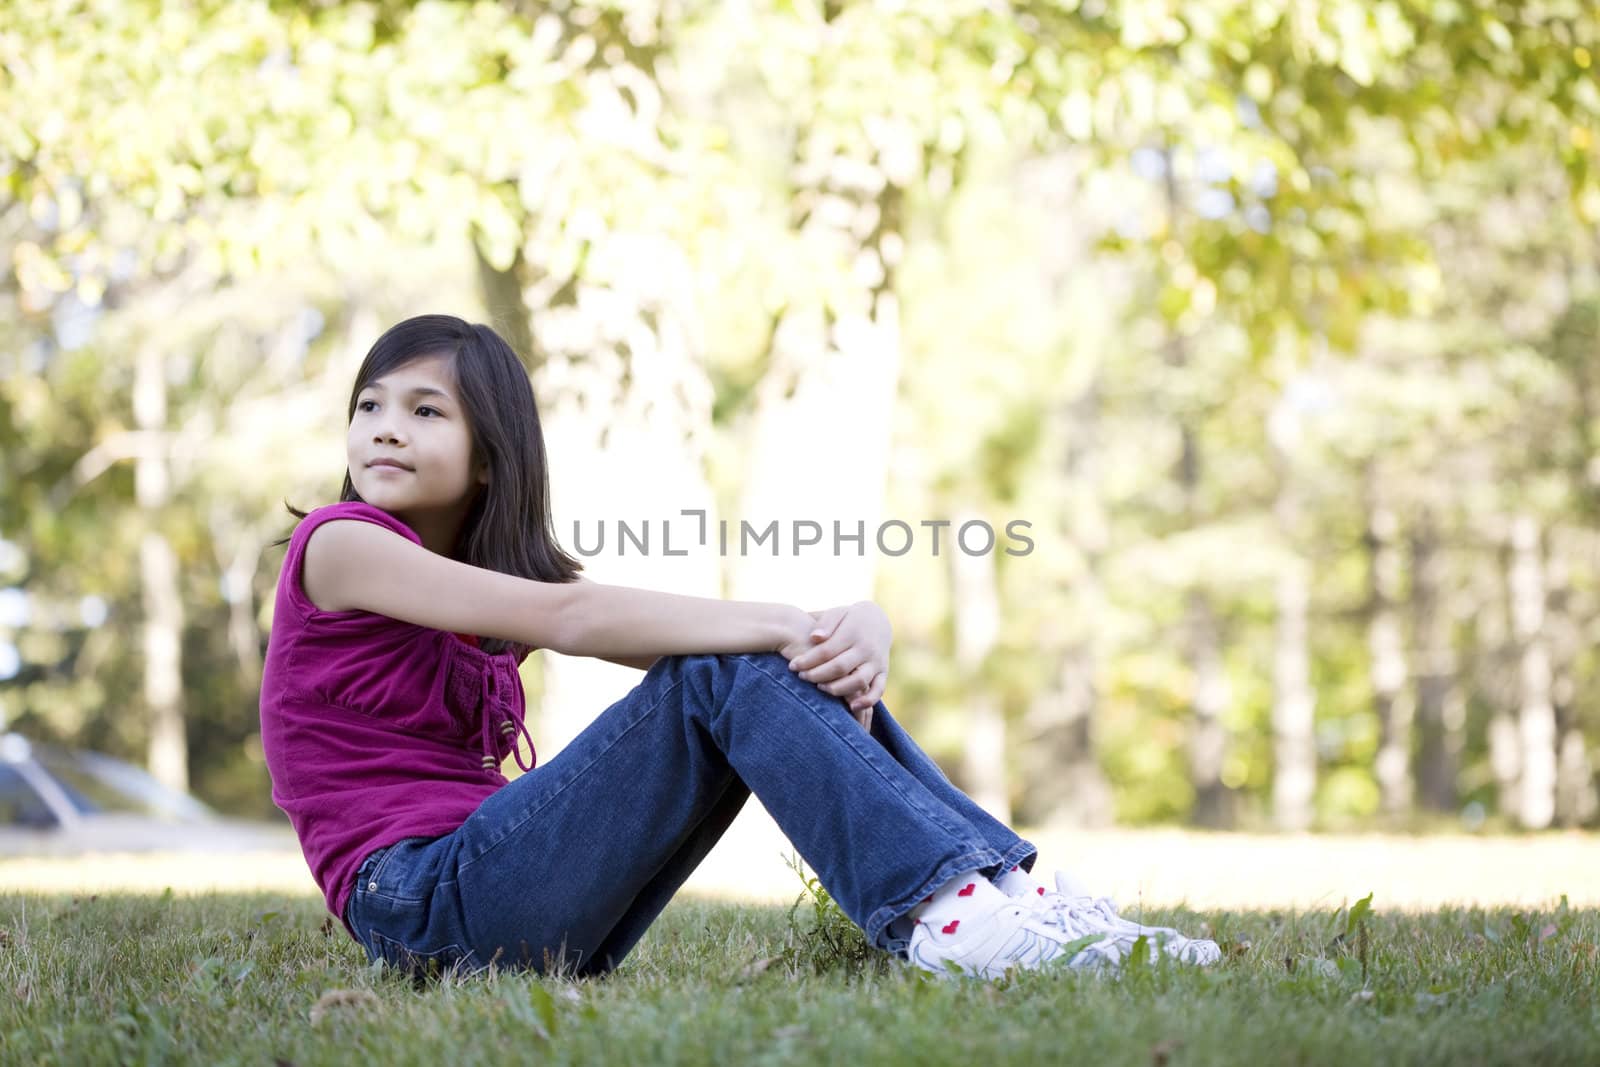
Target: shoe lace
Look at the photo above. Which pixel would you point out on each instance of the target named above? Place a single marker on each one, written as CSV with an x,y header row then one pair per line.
x,y
1102,910
1074,916
1107,909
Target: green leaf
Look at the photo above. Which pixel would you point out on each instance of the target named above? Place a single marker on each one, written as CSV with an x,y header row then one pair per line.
x,y
544,1006
1139,954
1349,969
1358,912
1071,949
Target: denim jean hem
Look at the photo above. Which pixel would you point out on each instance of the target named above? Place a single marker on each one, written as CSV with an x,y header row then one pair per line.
x,y
1013,857
878,922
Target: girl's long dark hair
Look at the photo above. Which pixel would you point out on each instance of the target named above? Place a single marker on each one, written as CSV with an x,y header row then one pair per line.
x,y
509,527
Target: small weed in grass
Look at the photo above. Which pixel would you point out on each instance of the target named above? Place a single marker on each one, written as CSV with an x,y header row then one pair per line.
x,y
830,942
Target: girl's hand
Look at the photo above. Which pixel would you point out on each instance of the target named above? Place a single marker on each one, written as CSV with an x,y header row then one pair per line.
x,y
849,656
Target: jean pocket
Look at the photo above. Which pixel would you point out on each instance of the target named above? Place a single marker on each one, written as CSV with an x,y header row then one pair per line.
x,y
432,964
369,866
395,877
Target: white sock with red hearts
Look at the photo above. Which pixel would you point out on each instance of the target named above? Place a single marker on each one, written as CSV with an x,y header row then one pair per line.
x,y
1019,883
967,896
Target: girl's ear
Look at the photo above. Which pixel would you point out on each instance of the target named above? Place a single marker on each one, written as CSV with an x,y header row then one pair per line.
x,y
483,474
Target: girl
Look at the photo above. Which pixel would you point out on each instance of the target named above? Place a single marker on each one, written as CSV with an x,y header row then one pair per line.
x,y
390,695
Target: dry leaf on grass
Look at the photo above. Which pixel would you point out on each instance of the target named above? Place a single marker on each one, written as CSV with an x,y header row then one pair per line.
x,y
339,1000
756,967
1162,1051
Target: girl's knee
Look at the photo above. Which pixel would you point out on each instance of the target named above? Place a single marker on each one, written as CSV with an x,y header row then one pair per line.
x,y
768,667
731,660
771,662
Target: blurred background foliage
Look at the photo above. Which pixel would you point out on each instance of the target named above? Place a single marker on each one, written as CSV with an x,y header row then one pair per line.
x,y
1277,322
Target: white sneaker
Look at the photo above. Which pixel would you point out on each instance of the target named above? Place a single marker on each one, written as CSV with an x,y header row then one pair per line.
x,y
1014,935
1099,913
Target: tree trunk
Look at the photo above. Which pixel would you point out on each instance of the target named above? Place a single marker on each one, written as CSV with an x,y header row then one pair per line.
x,y
1208,740
1064,782
238,546
626,425
1294,743
1576,803
644,473
816,461
1536,725
168,748
818,458
1066,786
1441,712
1495,663
627,430
1294,749
1575,794
1391,697
975,602
503,301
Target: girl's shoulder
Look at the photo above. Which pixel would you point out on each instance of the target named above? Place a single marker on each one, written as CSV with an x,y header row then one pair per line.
x,y
291,580
354,509
350,509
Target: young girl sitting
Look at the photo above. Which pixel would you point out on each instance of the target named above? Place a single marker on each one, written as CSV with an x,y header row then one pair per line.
x,y
390,696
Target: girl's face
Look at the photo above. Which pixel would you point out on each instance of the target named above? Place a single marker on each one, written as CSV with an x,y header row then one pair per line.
x,y
410,450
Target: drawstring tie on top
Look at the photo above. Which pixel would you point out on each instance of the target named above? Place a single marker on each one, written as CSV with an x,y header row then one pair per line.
x,y
503,706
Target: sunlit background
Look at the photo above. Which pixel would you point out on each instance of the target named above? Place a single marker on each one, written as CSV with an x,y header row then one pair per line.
x,y
1241,359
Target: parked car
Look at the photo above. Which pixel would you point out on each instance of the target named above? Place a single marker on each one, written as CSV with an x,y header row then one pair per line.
x,y
58,801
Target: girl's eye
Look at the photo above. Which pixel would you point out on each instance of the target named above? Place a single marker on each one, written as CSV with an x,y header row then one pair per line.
x,y
372,405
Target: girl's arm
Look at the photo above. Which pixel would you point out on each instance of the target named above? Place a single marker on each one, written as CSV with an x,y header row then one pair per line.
x,y
635,626
355,565
642,663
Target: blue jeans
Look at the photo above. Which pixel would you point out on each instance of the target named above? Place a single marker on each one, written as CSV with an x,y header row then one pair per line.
x,y
568,865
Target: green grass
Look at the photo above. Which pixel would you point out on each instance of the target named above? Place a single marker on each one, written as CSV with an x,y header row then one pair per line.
x,y
240,978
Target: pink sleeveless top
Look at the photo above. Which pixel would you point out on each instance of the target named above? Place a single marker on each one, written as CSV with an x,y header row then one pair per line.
x,y
376,729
